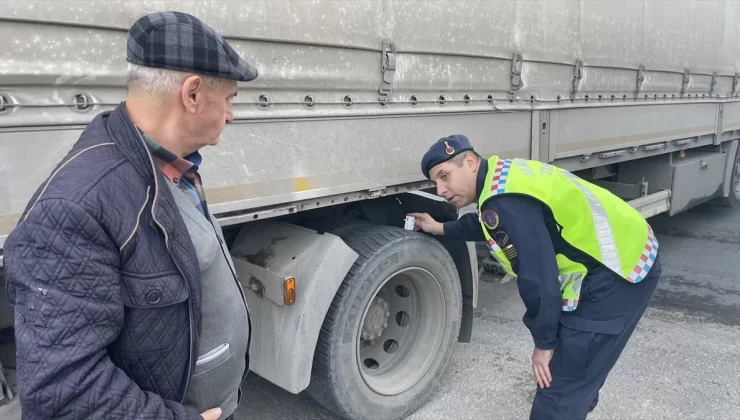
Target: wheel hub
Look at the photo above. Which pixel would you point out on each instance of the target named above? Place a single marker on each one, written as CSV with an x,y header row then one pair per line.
x,y
376,319
401,331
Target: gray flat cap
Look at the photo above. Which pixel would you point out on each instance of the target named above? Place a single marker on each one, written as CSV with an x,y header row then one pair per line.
x,y
179,41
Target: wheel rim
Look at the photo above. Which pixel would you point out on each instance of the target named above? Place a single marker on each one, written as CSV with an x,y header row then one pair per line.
x,y
401,331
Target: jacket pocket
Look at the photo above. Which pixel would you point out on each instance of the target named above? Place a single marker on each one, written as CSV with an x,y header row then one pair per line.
x,y
160,372
581,340
216,379
155,312
212,359
153,291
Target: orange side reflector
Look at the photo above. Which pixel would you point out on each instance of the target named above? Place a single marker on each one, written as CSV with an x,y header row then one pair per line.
x,y
290,291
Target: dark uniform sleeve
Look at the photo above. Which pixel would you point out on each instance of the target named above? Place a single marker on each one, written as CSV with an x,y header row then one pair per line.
x,y
466,228
522,223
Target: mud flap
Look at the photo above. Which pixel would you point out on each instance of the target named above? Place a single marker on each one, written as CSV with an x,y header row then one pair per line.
x,y
266,255
12,410
6,394
10,404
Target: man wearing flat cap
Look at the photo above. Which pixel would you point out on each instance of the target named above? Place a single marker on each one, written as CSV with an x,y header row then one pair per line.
x,y
127,305
586,263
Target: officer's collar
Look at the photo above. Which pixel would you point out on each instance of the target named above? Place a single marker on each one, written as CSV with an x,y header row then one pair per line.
x,y
481,180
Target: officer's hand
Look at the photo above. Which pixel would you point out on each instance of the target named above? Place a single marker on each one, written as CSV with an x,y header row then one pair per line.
x,y
541,367
427,223
211,414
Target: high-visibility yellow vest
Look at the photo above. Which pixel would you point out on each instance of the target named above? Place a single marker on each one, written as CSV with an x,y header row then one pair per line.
x,y
593,220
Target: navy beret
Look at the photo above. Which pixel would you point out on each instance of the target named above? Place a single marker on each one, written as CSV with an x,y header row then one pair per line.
x,y
443,150
179,41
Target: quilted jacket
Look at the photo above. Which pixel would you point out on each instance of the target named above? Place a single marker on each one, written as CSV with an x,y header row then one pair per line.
x,y
105,286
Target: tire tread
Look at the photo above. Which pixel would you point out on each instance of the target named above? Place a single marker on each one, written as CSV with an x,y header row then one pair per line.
x,y
365,240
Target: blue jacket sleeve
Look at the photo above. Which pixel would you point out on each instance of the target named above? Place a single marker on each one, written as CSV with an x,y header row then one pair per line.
x,y
466,228
63,282
522,223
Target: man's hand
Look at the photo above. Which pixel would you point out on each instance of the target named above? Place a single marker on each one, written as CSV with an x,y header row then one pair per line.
x,y
211,414
541,367
427,223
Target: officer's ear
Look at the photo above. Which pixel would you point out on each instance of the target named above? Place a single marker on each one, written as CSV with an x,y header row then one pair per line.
x,y
471,161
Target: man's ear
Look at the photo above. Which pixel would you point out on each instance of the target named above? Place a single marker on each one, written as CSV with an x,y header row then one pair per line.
x,y
472,161
193,93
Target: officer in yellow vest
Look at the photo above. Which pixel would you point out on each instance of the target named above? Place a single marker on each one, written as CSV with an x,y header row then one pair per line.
x,y
586,263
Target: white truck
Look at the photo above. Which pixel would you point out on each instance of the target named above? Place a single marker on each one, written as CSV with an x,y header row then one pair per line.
x,y
313,180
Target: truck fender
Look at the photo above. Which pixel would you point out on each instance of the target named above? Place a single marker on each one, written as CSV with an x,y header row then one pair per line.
x,y
267,255
731,148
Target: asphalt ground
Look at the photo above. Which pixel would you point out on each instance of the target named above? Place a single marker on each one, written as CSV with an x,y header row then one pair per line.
x,y
681,362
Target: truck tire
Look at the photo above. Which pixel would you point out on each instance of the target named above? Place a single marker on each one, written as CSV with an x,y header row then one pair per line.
x,y
392,327
733,199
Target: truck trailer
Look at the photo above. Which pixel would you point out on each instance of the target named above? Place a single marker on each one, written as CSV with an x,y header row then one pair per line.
x,y
313,179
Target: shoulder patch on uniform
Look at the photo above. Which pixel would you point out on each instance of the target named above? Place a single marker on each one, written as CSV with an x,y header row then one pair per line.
x,y
510,252
501,237
490,219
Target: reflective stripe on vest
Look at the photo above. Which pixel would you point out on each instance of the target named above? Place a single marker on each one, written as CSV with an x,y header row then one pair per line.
x,y
609,253
597,238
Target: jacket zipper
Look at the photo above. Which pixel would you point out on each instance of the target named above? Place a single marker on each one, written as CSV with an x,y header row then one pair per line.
x,y
241,291
233,273
169,250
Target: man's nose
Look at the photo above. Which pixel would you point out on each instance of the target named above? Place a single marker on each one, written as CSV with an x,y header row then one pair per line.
x,y
441,189
229,116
